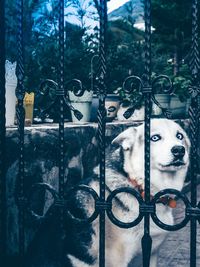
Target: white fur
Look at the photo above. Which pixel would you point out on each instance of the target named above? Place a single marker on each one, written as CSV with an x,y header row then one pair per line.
x,y
77,262
161,177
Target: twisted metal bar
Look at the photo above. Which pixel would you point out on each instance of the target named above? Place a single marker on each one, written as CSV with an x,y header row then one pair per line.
x,y
194,113
146,240
147,74
60,94
2,136
20,112
194,56
102,125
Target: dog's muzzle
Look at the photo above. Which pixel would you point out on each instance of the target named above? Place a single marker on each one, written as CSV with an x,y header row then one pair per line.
x,y
178,152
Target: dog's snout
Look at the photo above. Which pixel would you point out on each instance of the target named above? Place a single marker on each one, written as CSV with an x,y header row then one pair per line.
x,y
178,151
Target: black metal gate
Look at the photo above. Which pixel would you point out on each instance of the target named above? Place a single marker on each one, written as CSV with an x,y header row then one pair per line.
x,y
103,205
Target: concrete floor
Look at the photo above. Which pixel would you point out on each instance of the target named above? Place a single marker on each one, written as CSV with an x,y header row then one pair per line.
x,y
175,251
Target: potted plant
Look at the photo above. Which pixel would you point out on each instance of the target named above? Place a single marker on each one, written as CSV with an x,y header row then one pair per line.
x,y
128,99
180,100
177,102
81,100
162,88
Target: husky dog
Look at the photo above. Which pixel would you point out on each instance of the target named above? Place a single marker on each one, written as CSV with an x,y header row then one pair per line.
x,y
169,163
77,245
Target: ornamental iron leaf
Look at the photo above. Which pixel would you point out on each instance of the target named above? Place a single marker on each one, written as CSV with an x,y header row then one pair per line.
x,y
48,90
132,87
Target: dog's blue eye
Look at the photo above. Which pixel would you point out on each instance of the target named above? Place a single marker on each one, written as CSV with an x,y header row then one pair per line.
x,y
155,137
179,136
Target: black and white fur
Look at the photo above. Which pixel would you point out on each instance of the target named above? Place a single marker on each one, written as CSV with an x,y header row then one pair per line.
x,y
169,163
80,241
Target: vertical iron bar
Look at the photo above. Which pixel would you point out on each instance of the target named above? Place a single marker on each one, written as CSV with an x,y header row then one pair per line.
x,y
194,112
20,92
146,240
60,94
102,126
2,136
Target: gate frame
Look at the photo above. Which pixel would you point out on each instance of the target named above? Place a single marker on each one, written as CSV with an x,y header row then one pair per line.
x,y
102,205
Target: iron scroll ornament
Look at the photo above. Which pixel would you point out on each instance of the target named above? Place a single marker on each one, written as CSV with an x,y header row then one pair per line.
x,y
108,204
50,88
129,87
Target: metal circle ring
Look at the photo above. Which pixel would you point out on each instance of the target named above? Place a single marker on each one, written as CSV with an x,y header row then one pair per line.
x,y
167,88
129,82
95,196
155,218
110,214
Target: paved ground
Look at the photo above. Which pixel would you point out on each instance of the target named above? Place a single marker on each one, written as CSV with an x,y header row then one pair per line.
x,y
175,251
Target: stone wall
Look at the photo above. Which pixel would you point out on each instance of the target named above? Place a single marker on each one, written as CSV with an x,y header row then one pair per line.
x,y
41,165
41,154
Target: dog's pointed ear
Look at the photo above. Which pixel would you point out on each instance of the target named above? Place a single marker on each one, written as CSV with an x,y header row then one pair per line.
x,y
126,138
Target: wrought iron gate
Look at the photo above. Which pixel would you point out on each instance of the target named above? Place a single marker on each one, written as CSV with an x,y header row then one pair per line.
x,y
103,205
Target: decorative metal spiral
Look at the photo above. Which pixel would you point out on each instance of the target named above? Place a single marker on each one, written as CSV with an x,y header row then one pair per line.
x,y
48,88
166,86
162,81
76,87
132,85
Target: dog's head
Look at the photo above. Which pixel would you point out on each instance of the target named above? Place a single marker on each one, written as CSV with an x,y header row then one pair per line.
x,y
170,148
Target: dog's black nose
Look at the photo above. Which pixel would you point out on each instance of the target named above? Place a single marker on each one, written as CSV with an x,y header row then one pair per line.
x,y
178,151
